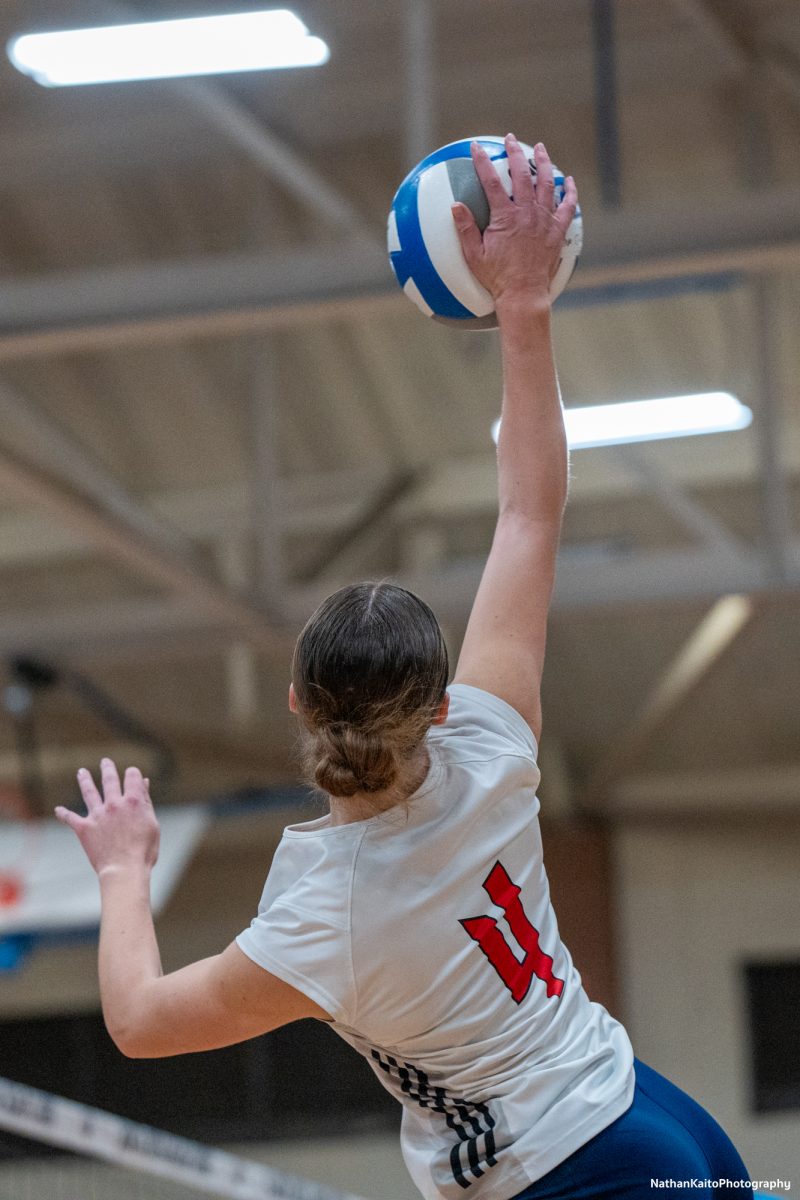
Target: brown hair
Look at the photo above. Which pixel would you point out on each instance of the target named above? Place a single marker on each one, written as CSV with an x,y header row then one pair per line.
x,y
369,673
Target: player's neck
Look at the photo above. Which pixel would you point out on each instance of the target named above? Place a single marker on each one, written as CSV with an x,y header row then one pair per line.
x,y
363,805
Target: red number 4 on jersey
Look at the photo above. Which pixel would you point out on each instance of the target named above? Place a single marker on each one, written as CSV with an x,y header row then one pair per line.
x,y
516,975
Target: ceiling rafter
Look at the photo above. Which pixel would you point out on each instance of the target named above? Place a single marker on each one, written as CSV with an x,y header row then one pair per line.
x,y
270,153
221,295
69,484
743,50
420,79
712,638
752,791
773,473
322,503
112,534
379,511
697,518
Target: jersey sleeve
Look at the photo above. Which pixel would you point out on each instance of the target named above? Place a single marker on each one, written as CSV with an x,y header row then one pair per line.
x,y
301,933
305,951
480,719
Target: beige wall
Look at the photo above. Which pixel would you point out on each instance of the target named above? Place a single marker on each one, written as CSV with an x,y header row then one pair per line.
x,y
694,902
578,861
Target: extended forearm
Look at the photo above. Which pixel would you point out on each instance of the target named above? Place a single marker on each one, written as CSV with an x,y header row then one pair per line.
x,y
129,958
532,447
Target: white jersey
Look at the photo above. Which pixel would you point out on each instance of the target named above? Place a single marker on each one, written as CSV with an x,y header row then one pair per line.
x,y
428,934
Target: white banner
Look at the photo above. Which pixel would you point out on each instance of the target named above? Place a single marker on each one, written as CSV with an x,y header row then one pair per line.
x,y
59,887
72,1126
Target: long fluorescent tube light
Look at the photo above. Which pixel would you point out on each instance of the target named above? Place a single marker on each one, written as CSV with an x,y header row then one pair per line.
x,y
650,420
251,41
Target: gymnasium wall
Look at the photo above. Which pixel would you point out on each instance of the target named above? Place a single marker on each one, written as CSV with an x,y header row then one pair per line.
x,y
577,856
695,902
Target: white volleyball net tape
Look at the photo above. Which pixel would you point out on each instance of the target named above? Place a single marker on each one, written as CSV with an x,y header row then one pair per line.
x,y
185,1168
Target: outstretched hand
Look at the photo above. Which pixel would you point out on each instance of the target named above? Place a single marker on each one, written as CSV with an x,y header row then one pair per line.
x,y
518,253
120,829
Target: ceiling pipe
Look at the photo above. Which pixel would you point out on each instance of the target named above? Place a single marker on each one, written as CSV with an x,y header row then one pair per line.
x,y
609,169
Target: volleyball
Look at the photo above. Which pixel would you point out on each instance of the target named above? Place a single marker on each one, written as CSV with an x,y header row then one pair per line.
x,y
424,249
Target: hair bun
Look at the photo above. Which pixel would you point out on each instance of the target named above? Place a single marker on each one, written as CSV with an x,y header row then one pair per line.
x,y
350,760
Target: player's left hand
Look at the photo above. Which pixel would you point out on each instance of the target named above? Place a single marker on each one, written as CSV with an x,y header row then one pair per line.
x,y
120,829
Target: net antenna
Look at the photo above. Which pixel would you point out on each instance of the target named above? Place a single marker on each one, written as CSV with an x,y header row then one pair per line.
x,y
69,1125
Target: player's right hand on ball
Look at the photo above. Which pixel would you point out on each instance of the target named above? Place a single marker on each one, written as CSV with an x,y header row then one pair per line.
x,y
518,253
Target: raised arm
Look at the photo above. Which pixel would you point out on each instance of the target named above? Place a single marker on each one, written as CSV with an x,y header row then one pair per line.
x,y
214,1002
515,259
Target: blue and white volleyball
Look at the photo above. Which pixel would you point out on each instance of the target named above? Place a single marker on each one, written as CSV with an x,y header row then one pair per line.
x,y
424,249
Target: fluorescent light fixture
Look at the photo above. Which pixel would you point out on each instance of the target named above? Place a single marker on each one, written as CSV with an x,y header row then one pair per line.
x,y
650,420
252,41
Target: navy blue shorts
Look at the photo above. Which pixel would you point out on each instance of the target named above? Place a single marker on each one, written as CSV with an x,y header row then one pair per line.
x,y
663,1135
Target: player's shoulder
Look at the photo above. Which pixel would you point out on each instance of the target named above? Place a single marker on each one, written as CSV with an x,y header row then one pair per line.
x,y
481,723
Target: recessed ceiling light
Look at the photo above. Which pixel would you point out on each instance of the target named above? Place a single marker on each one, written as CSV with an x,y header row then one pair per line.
x,y
252,41
650,420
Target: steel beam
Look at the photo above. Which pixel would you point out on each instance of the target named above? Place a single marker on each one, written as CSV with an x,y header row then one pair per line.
x,y
118,630
749,790
709,642
329,502
695,517
377,514
176,628
317,503
609,166
277,158
112,533
611,581
270,153
668,575
420,80
324,502
768,428
745,55
44,154
717,32
228,295
232,554
34,436
36,157
169,290
56,474
266,488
